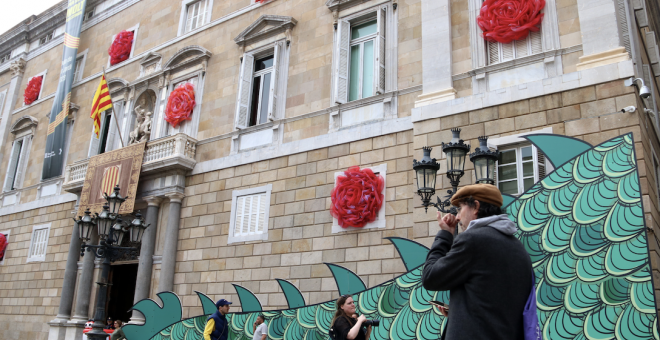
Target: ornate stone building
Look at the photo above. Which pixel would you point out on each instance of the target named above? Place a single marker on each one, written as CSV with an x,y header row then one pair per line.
x,y
288,93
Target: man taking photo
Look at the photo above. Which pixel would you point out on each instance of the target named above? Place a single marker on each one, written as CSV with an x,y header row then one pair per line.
x,y
217,327
486,269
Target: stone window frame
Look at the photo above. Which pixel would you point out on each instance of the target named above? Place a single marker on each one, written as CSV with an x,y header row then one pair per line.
x,y
23,130
267,189
40,257
41,90
83,57
134,29
517,141
550,55
7,233
183,18
381,221
190,127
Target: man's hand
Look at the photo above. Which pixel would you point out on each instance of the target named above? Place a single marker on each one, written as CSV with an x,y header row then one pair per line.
x,y
444,311
447,222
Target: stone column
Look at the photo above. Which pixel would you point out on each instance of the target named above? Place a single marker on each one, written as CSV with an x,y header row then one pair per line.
x,y
436,53
145,266
601,40
166,282
17,69
70,273
81,313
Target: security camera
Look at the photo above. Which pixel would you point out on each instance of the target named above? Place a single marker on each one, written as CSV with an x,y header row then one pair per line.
x,y
629,109
644,91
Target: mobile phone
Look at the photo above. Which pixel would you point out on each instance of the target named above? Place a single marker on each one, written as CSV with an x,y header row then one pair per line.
x,y
439,304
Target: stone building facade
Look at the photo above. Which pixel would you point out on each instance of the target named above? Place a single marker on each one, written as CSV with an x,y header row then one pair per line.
x,y
431,72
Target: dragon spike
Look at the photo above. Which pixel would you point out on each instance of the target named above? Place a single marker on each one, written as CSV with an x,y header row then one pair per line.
x,y
249,301
558,149
156,317
413,254
293,296
347,281
506,200
207,304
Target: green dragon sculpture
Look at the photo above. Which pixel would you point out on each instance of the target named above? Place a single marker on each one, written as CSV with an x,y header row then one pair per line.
x,y
583,226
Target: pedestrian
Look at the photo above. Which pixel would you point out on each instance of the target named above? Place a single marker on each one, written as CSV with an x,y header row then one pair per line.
x,y
216,325
259,328
344,325
109,324
486,269
118,334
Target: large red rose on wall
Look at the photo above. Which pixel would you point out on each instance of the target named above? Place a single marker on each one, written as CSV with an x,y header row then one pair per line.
x,y
357,198
32,90
507,20
180,104
120,49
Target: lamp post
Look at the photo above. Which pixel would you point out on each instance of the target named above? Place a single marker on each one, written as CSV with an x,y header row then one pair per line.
x,y
456,150
111,229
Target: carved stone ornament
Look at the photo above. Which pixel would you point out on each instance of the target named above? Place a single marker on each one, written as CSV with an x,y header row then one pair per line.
x,y
17,67
264,27
143,120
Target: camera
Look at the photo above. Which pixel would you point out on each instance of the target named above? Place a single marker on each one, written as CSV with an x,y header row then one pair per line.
x,y
374,323
644,92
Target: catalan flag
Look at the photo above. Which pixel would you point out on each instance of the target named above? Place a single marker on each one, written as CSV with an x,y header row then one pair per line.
x,y
101,103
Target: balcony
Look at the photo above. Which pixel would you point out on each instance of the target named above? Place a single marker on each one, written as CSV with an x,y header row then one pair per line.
x,y
168,153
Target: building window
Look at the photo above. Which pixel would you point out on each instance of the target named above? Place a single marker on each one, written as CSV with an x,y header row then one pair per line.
x,y
38,243
77,75
249,214
17,163
360,70
5,58
88,15
259,87
106,123
196,15
46,39
498,52
518,168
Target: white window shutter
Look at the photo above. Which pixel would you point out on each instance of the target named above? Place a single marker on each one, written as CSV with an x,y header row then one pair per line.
x,y
379,72
263,224
341,71
112,132
203,11
22,162
493,52
2,99
277,60
244,89
13,160
536,42
507,51
189,18
522,47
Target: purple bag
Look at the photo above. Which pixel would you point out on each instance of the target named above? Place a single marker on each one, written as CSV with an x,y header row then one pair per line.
x,y
530,318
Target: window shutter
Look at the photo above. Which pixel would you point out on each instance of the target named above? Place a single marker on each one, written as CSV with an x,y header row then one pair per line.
x,y
263,202
2,99
22,162
379,72
540,158
190,16
13,161
341,72
277,60
507,51
536,42
204,4
112,132
244,89
493,52
522,47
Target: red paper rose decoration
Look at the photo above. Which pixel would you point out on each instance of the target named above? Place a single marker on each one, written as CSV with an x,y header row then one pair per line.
x,y
32,90
357,198
120,49
508,20
3,246
180,104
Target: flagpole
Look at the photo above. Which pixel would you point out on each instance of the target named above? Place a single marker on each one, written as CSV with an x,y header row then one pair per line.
x,y
121,139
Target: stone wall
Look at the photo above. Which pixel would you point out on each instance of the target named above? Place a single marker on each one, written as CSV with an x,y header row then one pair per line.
x,y
299,235
30,292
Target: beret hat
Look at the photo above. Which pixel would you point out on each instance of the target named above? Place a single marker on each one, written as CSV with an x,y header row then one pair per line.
x,y
481,192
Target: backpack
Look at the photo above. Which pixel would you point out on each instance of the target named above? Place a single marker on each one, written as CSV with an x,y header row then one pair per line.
x,y
532,330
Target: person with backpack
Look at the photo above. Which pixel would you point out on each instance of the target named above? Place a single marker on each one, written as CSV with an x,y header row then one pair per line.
x,y
217,327
344,326
486,269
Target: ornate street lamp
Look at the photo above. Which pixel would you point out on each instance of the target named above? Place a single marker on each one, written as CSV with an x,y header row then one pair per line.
x,y
484,162
111,228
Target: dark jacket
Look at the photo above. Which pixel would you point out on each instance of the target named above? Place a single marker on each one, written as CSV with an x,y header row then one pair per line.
x,y
488,273
221,331
343,325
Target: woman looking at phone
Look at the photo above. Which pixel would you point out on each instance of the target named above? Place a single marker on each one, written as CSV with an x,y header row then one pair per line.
x,y
345,326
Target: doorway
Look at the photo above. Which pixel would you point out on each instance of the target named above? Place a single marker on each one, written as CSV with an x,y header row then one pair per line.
x,y
120,294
